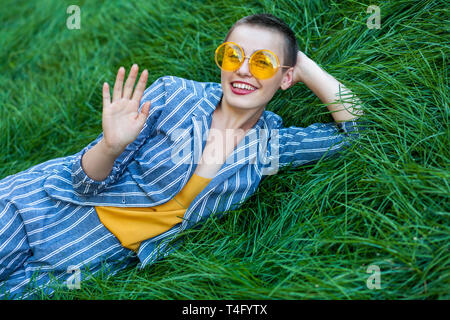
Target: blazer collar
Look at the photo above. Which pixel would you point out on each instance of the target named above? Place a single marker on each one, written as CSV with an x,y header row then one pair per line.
x,y
202,118
211,99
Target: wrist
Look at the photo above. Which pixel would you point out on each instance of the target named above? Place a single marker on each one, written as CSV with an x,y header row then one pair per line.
x,y
303,67
110,151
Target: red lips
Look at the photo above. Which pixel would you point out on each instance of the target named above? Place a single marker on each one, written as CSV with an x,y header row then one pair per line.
x,y
241,91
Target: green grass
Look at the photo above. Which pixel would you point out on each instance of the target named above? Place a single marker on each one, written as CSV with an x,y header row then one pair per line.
x,y
309,232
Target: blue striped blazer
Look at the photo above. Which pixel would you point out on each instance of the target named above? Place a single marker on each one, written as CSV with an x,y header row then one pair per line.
x,y
157,165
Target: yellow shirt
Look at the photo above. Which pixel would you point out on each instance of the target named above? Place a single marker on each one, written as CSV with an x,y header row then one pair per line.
x,y
134,225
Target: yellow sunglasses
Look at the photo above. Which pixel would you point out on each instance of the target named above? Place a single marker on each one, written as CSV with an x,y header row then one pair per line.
x,y
263,64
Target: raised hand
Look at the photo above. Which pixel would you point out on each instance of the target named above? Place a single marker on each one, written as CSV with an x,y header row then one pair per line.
x,y
121,119
299,68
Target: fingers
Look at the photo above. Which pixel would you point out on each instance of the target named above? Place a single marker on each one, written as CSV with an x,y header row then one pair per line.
x,y
146,108
106,95
117,92
128,89
143,115
121,91
140,87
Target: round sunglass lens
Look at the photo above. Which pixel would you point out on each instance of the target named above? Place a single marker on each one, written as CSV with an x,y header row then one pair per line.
x,y
228,57
263,64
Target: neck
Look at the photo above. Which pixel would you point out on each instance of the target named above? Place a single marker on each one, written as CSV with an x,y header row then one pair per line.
x,y
234,118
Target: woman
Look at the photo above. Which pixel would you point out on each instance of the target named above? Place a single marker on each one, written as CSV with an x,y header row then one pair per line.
x,y
168,157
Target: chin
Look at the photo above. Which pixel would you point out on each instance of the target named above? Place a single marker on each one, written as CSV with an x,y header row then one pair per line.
x,y
242,103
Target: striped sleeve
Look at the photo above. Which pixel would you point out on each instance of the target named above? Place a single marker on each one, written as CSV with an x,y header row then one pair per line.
x,y
298,146
82,183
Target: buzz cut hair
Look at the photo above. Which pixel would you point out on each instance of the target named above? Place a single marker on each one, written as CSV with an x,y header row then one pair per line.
x,y
269,21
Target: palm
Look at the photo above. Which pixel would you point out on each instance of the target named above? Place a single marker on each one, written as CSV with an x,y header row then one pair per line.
x,y
121,119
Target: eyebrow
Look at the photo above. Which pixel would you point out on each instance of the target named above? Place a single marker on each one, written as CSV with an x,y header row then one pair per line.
x,y
253,50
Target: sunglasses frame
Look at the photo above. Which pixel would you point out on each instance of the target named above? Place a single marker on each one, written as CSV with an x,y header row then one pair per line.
x,y
250,59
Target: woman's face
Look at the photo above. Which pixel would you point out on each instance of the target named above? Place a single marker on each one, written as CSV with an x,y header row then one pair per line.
x,y
251,39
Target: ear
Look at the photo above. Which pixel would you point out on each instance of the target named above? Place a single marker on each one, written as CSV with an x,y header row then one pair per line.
x,y
288,79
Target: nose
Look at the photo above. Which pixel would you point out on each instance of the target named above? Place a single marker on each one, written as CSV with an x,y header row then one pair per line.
x,y
244,70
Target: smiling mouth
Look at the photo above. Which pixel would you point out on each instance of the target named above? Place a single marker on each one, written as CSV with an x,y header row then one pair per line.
x,y
241,88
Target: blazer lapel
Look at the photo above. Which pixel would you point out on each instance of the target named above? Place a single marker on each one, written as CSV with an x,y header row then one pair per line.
x,y
245,152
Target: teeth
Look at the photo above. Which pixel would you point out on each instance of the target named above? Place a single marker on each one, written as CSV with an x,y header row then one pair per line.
x,y
242,86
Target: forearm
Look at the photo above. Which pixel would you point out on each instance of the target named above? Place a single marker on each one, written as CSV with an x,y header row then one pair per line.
x,y
98,161
329,90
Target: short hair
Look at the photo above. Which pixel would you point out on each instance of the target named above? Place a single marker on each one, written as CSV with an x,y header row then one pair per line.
x,y
268,21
